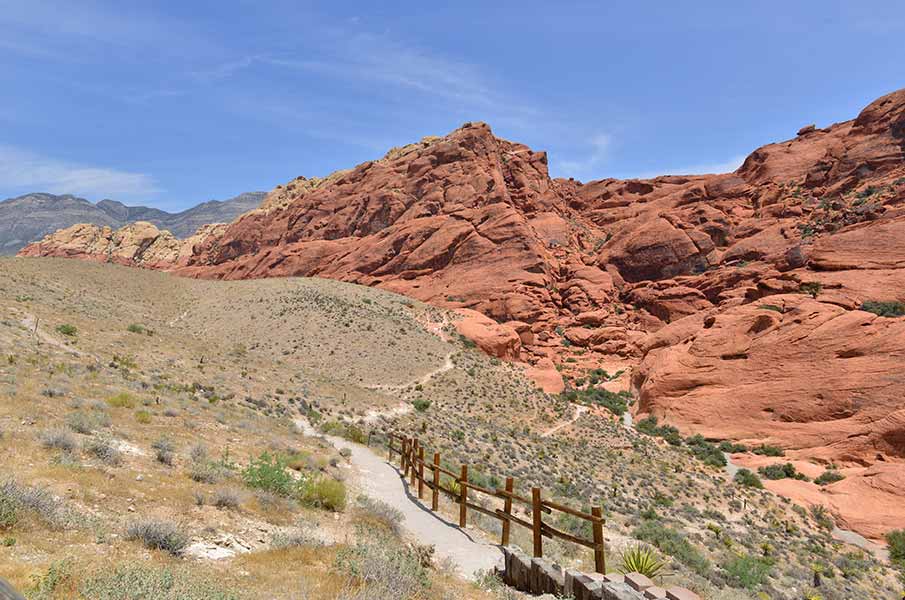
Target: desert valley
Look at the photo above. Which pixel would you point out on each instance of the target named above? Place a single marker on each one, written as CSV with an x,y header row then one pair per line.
x,y
716,360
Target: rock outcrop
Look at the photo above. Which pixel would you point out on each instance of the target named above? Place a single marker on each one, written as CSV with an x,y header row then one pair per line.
x,y
737,296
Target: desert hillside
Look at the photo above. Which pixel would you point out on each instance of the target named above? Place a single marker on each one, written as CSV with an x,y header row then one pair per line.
x,y
139,408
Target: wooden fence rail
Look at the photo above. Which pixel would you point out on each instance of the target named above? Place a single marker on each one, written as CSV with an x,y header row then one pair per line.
x,y
413,465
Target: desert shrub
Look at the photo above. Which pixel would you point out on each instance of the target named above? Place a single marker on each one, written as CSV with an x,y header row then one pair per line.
x,y
228,499
381,569
324,492
896,541
829,476
16,500
297,538
140,582
731,447
206,472
772,307
373,510
748,571
643,559
767,450
143,417
163,450
673,543
669,433
158,535
87,422
58,439
67,330
822,517
885,309
781,471
421,405
198,453
345,430
104,450
812,288
123,400
748,479
139,329
615,402
269,472
706,452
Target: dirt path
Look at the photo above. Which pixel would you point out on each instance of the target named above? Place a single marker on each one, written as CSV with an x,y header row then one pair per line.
x,y
446,366
378,479
579,410
31,323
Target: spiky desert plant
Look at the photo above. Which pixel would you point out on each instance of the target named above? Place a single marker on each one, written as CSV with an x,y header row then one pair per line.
x,y
641,559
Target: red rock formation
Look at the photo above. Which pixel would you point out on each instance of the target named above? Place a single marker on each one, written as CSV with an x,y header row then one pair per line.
x,y
736,295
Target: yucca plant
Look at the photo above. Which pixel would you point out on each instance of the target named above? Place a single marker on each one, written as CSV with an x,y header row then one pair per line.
x,y
641,559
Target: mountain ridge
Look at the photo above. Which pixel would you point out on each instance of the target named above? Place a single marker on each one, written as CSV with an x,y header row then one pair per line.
x,y
27,218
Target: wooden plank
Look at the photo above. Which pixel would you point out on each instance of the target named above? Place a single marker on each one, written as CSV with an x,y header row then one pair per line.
x,y
568,537
522,499
463,496
571,511
597,527
537,525
435,496
507,509
487,511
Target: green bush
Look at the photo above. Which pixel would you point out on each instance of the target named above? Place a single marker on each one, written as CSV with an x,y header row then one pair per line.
x,y
139,329
829,476
731,447
123,400
325,493
781,471
269,472
896,541
421,405
885,309
708,453
349,431
615,402
669,433
67,330
747,571
673,543
812,288
748,479
767,450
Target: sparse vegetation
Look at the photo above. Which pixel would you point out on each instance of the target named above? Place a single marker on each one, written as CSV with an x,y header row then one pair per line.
x,y
829,476
639,558
158,535
885,309
746,478
781,471
67,330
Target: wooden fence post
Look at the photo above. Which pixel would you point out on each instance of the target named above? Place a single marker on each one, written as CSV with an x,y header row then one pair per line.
x,y
389,448
414,471
405,457
435,499
507,508
463,495
597,527
420,472
537,528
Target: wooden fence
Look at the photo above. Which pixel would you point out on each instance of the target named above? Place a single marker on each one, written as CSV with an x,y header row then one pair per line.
x,y
413,465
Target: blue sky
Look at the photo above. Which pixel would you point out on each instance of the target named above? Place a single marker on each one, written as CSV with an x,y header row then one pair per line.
x,y
173,103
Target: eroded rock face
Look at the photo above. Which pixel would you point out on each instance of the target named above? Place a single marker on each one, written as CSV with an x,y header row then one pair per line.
x,y
736,296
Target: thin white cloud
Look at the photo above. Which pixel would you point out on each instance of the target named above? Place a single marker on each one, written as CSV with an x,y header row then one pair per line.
x,y
600,145
26,171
